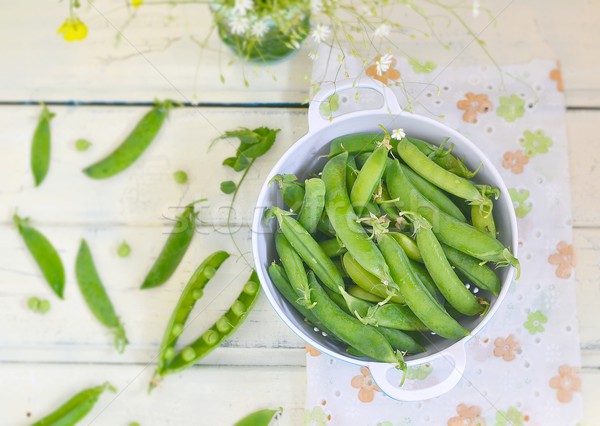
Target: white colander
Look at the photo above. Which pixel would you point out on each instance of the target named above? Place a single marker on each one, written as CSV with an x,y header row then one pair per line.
x,y
308,155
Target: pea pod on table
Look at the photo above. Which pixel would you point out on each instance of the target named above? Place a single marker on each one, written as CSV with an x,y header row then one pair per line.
x,y
192,292
95,295
174,249
44,254
219,331
41,146
76,408
134,145
259,418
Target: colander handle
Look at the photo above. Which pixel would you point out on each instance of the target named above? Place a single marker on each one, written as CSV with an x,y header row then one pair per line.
x,y
316,121
457,355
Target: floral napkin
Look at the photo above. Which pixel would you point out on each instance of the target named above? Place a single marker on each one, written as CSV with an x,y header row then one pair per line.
x,y
522,369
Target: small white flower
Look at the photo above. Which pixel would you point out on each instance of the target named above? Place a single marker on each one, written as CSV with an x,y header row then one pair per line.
x,y
382,31
316,6
313,55
475,8
259,28
365,11
398,134
240,7
238,25
320,33
383,64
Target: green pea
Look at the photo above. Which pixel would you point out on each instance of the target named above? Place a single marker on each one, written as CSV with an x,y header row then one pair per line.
x,y
223,325
76,408
238,308
210,272
134,145
169,353
134,424
95,295
251,287
40,146
188,353
177,329
124,249
33,303
44,306
180,177
408,245
210,337
197,294
44,254
82,144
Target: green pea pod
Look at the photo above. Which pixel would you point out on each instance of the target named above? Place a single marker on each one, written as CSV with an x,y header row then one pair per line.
x,y
444,158
441,271
423,276
408,245
434,194
40,146
482,221
480,274
350,330
280,280
418,298
308,249
345,222
388,206
134,145
368,281
192,292
448,230
259,418
291,191
332,247
76,408
359,292
397,339
313,204
369,177
174,249
95,295
351,173
441,177
219,331
44,254
355,143
294,269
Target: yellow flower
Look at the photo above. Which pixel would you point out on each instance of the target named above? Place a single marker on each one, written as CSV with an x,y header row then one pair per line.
x,y
137,3
73,30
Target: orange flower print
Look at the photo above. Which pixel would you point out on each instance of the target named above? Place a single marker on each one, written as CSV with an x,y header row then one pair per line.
x,y
467,416
473,105
506,348
564,259
565,383
384,68
366,384
312,351
515,161
556,75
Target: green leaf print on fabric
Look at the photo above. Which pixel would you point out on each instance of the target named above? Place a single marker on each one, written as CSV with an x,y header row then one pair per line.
x,y
315,417
330,105
422,68
510,417
511,108
519,199
535,322
535,143
419,373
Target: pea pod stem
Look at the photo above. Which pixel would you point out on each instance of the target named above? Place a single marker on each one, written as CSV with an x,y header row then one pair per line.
x,y
192,292
44,254
134,145
95,295
76,408
174,248
219,331
41,146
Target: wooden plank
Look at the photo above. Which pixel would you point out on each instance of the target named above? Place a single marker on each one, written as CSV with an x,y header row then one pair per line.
x,y
147,194
156,56
203,395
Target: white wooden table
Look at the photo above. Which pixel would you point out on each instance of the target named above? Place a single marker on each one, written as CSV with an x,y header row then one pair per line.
x,y
98,90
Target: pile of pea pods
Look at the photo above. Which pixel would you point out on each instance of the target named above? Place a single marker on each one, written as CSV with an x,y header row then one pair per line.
x,y
387,245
